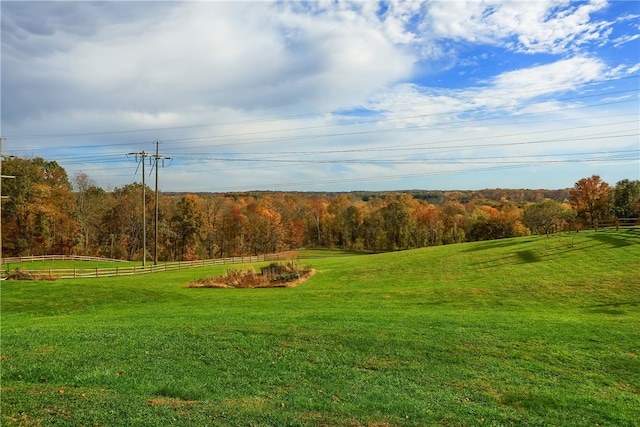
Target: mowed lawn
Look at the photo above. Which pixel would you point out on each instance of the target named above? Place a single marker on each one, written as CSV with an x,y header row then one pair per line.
x,y
529,331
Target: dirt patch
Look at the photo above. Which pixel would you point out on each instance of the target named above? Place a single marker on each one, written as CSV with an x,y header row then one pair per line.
x,y
249,402
171,402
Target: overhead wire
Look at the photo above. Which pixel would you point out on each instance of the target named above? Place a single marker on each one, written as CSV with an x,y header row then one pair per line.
x,y
431,147
540,91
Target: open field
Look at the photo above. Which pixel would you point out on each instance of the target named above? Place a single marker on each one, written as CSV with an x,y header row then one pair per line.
x,y
530,331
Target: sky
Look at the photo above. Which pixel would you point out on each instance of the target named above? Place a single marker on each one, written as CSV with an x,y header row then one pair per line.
x,y
324,95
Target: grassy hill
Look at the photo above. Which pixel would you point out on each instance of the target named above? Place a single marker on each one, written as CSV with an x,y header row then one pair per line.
x,y
529,331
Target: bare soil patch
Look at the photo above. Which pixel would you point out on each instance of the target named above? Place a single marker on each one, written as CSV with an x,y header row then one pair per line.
x,y
171,402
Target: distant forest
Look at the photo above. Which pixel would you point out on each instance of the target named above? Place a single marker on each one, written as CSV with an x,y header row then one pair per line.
x,y
46,212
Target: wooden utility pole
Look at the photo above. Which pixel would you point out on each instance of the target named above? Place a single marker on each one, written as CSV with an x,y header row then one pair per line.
x,y
155,244
143,155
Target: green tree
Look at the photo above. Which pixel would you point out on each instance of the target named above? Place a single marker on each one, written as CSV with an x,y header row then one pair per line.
x,y
626,199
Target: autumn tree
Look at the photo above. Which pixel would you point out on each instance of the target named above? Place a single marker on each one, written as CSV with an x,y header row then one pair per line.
x,y
374,233
167,234
235,230
39,215
428,225
397,221
353,220
547,216
591,198
91,204
455,222
213,209
317,209
292,208
189,222
341,225
121,235
503,221
266,227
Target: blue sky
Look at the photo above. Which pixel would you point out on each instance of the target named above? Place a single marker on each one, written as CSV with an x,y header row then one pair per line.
x,y
326,95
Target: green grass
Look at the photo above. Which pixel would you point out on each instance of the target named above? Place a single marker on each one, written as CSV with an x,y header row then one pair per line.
x,y
531,331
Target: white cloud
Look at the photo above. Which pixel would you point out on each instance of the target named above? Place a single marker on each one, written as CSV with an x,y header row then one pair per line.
x,y
559,76
625,39
542,26
241,55
74,67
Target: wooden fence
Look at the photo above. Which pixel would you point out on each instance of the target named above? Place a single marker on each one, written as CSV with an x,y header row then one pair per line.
x,y
78,273
12,260
618,223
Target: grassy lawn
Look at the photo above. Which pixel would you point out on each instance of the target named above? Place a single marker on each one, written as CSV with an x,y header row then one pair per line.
x,y
531,331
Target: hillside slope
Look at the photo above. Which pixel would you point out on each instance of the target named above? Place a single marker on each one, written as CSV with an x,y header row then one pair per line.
x,y
530,331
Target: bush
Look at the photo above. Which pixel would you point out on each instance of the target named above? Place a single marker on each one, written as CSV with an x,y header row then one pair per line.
x,y
271,276
21,274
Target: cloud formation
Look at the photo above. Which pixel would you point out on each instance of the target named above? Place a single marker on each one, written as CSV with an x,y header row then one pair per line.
x,y
327,78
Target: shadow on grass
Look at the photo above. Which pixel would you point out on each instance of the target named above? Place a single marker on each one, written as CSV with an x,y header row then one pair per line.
x,y
617,240
494,244
614,309
531,256
528,256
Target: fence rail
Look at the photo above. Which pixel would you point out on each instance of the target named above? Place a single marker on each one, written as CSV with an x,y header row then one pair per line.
x,y
79,273
13,260
618,223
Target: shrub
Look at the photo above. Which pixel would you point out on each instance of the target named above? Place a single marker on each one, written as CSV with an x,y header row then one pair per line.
x,y
273,275
21,274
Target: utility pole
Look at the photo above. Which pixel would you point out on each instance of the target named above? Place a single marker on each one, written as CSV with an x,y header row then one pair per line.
x,y
155,220
143,155
155,245
1,197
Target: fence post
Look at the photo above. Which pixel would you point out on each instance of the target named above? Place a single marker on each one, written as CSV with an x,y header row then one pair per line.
x,y
75,276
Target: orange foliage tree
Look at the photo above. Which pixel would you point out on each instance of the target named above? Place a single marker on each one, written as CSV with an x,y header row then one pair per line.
x,y
591,198
39,214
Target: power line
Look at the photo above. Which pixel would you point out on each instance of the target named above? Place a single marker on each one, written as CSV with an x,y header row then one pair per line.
x,y
339,113
399,176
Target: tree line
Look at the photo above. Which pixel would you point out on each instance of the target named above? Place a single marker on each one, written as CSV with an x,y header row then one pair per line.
x,y
45,212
